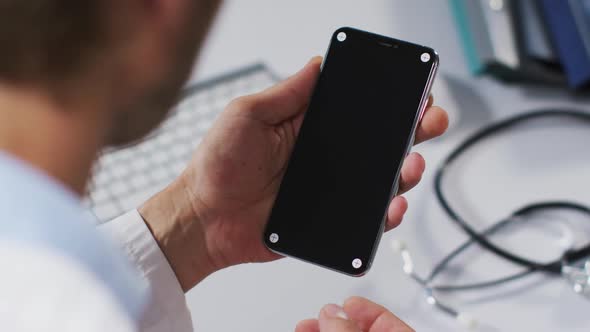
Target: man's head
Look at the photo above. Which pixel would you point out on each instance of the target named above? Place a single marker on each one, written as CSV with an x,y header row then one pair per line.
x,y
131,55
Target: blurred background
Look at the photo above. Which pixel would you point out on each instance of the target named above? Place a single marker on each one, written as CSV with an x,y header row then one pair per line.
x,y
499,58
477,84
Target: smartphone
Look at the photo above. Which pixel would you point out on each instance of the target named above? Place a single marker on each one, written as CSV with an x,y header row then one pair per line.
x,y
344,168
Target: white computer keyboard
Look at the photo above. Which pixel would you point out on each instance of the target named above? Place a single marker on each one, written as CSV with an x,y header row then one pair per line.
x,y
125,178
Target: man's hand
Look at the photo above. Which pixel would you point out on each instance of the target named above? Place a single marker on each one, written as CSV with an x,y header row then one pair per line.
x,y
357,314
214,214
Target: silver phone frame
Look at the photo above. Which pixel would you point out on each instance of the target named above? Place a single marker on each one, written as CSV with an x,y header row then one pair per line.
x,y
419,113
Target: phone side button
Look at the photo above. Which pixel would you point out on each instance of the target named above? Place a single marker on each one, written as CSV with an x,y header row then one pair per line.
x,y
422,111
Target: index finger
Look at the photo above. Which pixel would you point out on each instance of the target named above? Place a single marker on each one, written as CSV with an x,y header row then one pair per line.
x,y
373,317
434,123
288,98
308,325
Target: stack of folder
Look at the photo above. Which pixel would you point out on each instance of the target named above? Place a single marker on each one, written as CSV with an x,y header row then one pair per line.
x,y
540,41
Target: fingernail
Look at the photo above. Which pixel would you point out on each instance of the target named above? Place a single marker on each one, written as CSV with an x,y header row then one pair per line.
x,y
312,60
335,311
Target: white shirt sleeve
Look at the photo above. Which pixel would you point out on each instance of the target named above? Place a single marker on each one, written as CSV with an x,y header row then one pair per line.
x,y
167,309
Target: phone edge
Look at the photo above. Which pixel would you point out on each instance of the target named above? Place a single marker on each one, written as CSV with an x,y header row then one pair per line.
x,y
395,187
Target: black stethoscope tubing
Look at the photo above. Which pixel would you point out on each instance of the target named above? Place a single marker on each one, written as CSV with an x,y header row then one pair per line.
x,y
554,267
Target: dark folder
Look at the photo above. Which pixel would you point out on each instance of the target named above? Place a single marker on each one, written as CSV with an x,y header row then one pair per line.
x,y
538,58
581,12
568,41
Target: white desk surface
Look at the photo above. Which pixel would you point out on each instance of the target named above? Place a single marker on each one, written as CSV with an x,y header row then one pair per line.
x,y
498,178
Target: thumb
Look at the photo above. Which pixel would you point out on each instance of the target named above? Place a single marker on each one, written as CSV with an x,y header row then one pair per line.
x,y
290,97
334,319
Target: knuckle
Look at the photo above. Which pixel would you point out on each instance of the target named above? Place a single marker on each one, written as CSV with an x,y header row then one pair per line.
x,y
243,103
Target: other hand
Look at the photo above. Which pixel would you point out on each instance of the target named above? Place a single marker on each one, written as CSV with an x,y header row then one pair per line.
x,y
357,314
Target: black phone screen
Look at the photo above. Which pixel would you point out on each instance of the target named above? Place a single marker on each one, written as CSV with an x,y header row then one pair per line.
x,y
345,164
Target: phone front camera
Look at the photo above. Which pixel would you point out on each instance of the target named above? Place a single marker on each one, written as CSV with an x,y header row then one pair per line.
x,y
341,36
425,57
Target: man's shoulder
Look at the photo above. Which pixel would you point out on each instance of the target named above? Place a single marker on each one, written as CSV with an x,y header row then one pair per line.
x,y
39,215
44,290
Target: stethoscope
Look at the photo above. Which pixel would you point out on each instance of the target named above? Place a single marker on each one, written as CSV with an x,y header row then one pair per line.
x,y
567,266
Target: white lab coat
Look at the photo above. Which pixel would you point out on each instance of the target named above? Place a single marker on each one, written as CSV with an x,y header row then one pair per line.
x,y
58,273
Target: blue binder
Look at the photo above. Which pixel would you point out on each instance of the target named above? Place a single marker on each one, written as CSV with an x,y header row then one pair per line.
x,y
568,41
581,11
